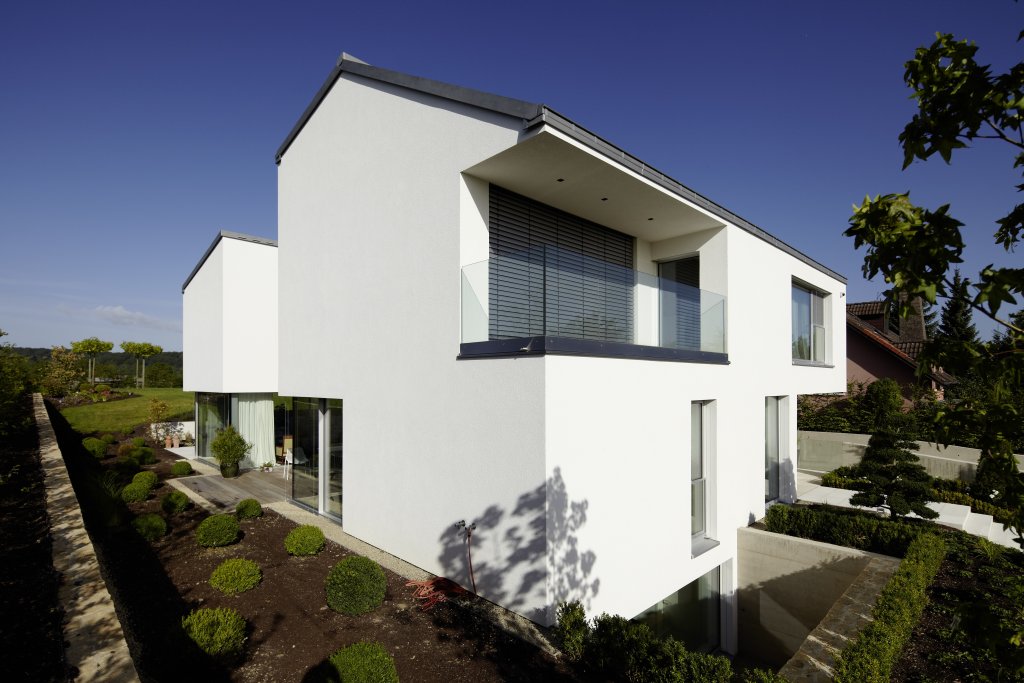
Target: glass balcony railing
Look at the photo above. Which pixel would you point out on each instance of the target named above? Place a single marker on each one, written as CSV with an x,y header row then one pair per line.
x,y
553,292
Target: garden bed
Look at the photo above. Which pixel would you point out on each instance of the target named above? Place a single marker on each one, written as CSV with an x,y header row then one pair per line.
x,y
291,629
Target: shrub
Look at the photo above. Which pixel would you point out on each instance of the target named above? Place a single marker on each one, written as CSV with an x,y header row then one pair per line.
x,y
571,629
228,447
150,526
103,388
127,464
250,508
174,502
219,632
364,663
124,449
134,493
147,478
761,676
85,387
871,656
622,650
304,540
356,585
144,454
108,439
182,468
138,442
217,530
236,576
95,447
860,530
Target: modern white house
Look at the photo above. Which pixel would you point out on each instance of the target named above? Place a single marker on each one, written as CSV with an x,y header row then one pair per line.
x,y
483,312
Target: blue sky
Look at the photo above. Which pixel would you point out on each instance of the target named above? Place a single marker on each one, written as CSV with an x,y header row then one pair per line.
x,y
133,131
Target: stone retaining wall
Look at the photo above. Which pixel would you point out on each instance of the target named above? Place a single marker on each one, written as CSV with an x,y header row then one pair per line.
x,y
94,641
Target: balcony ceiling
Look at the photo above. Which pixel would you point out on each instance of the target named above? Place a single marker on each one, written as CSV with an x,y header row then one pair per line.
x,y
591,187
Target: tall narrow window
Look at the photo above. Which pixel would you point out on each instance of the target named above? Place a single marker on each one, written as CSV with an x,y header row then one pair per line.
x,y
679,286
771,448
698,481
809,332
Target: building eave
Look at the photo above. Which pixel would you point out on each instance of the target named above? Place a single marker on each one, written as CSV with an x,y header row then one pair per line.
x,y
225,234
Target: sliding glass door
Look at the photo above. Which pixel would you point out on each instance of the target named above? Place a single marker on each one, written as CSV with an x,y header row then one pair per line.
x,y
317,454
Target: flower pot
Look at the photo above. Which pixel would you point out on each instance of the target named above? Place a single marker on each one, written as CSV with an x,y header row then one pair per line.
x,y
175,441
167,442
229,470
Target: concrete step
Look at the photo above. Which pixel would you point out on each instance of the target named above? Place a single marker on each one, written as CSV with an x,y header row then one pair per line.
x,y
978,524
951,514
997,534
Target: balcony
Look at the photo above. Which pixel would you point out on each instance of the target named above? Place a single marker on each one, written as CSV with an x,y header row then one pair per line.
x,y
554,300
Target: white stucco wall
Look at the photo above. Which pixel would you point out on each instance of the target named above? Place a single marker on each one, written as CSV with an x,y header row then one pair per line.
x,y
230,320
369,234
576,469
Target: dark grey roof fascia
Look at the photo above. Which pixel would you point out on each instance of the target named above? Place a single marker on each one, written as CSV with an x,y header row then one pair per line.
x,y
579,133
519,109
213,245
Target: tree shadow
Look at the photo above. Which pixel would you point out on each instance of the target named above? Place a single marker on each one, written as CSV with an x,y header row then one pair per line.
x,y
532,552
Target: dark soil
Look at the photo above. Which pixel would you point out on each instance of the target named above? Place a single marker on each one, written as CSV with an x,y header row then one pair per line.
x,y
31,642
292,631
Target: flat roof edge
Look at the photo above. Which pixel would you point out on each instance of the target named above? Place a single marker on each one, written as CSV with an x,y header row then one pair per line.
x,y
577,132
225,234
509,106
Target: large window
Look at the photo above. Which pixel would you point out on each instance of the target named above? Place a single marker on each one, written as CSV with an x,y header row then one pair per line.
x,y
316,454
692,614
809,331
213,413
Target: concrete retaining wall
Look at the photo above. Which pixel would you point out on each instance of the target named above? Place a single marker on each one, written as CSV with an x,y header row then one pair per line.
x,y
825,451
787,585
95,643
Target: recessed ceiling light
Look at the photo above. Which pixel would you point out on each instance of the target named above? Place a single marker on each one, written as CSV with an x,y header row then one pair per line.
x,y
604,199
650,219
561,180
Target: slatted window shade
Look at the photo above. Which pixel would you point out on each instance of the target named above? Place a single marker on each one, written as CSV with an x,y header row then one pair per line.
x,y
555,274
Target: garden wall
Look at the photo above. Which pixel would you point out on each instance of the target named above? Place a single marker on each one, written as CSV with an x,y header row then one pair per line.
x,y
787,585
825,451
95,643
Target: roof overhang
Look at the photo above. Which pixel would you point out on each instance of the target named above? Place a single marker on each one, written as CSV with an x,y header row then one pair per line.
x,y
225,234
552,168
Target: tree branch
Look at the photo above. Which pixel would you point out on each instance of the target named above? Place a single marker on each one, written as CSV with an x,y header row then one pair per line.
x,y
1001,135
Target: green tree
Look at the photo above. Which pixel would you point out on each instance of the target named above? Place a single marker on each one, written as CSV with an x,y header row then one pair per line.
x,y
896,480
956,323
15,381
162,375
62,373
140,350
90,348
959,101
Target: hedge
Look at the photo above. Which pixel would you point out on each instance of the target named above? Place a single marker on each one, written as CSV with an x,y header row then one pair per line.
x,y
870,658
852,529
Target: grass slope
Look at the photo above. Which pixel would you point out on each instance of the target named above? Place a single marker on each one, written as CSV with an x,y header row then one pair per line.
x,y
129,413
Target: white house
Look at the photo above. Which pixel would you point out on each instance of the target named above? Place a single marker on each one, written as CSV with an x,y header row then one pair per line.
x,y
485,312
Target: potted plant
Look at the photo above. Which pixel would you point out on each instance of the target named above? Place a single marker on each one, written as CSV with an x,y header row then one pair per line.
x,y
229,448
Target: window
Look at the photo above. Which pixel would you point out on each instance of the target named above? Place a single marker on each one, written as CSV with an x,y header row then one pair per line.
x,y
771,447
809,332
692,614
702,490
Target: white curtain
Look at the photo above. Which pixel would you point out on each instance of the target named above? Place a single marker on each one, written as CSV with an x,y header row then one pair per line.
x,y
256,425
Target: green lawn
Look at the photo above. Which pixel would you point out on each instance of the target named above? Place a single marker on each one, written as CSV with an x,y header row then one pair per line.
x,y
129,413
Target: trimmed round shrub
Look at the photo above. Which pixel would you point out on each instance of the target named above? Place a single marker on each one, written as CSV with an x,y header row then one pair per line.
x,y
356,585
147,478
124,449
144,454
217,530
95,447
103,388
364,663
304,540
236,576
181,468
174,502
150,526
134,493
127,465
138,442
108,439
249,508
219,632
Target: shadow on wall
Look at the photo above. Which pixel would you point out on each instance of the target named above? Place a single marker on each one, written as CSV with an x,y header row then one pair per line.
x,y
512,552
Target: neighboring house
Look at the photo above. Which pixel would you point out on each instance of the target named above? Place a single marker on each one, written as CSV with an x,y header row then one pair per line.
x,y
879,343
485,312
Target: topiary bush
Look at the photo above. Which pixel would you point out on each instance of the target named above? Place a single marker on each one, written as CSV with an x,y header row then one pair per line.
x,y
571,629
148,479
134,493
356,585
108,439
144,454
217,530
150,526
182,468
219,632
304,540
138,442
249,508
364,663
236,576
95,447
174,502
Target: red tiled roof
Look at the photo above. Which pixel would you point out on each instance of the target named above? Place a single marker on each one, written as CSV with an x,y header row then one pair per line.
x,y
872,333
866,308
